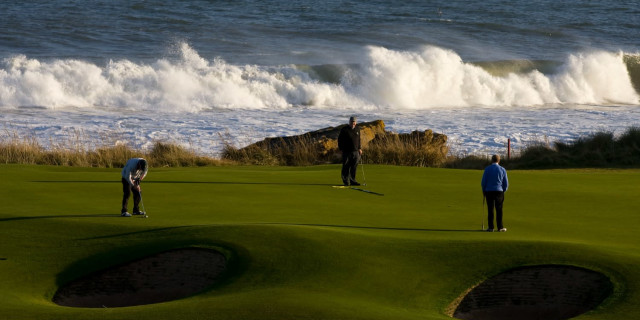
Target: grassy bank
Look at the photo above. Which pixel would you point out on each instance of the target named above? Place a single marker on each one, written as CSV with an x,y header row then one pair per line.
x,y
28,150
305,250
598,150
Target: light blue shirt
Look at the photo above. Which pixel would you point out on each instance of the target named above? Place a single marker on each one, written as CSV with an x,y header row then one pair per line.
x,y
130,171
495,178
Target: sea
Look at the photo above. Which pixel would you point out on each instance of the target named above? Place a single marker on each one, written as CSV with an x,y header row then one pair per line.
x,y
208,73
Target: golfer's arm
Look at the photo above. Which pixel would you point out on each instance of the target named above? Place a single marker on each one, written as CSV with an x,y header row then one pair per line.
x,y
131,183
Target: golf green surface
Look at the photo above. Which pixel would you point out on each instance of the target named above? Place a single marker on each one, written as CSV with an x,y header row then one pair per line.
x,y
299,249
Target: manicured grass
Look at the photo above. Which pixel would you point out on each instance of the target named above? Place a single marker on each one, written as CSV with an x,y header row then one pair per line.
x,y
301,249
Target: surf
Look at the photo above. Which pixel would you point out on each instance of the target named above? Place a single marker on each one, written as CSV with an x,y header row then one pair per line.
x,y
436,77
384,79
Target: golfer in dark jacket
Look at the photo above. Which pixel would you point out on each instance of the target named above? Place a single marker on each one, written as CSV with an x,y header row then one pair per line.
x,y
349,144
494,185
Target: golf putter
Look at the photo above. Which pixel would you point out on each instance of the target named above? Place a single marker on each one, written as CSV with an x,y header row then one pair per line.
x,y
143,209
483,198
142,203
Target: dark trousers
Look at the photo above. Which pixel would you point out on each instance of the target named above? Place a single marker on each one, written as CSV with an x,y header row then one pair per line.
x,y
349,165
495,199
127,189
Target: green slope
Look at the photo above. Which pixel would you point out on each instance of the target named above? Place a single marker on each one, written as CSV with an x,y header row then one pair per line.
x,y
301,249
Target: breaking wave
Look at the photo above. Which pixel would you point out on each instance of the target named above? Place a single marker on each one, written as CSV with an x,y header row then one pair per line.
x,y
385,79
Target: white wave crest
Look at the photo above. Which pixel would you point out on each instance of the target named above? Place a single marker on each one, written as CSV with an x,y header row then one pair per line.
x,y
436,77
190,84
386,79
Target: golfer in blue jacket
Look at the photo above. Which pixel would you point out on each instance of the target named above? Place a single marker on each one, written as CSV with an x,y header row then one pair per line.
x,y
494,185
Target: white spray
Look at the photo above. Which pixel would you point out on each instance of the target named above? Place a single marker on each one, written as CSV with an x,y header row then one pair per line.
x,y
437,77
387,80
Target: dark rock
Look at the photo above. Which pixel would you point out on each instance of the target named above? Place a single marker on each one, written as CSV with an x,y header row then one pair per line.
x,y
321,146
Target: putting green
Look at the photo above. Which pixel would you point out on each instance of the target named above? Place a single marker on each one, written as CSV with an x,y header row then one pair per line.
x,y
299,249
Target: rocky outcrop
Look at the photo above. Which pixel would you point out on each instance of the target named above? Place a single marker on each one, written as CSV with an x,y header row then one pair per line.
x,y
323,141
321,146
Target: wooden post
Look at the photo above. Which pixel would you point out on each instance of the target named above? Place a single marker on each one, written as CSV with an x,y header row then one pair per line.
x,y
508,149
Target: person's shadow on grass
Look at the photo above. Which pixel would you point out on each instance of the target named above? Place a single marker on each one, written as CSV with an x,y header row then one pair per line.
x,y
101,215
373,227
191,182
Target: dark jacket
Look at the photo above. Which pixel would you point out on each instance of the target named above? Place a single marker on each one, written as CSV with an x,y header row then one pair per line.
x,y
349,139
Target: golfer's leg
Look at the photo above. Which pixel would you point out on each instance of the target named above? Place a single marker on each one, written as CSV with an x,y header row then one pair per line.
x,y
490,206
136,200
499,202
355,158
345,168
126,192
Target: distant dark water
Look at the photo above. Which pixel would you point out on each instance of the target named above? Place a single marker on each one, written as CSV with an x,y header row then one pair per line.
x,y
314,31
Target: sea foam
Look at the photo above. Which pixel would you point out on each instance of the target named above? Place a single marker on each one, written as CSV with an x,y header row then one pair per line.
x,y
385,79
435,77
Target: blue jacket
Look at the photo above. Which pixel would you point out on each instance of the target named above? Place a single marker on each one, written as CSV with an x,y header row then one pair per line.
x,y
495,178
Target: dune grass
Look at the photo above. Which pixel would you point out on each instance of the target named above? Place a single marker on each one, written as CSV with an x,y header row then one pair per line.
x,y
28,150
301,249
417,149
599,150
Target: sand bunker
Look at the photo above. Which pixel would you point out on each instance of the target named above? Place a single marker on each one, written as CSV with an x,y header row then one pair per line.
x,y
550,292
162,277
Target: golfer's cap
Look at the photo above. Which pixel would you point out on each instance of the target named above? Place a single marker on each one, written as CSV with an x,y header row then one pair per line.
x,y
353,119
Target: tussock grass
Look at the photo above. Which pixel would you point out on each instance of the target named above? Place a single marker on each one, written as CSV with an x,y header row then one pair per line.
x,y
171,155
28,150
468,162
601,149
598,150
412,150
251,155
20,150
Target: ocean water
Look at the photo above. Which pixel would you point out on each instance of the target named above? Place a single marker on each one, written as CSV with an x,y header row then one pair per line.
x,y
202,73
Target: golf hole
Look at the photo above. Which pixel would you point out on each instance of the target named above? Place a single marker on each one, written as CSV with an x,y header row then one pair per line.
x,y
551,292
165,276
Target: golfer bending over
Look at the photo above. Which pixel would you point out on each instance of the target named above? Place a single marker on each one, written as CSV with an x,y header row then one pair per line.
x,y
133,172
349,144
494,185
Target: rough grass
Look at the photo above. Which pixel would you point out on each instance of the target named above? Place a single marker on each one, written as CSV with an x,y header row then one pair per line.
x,y
27,150
413,150
390,149
301,249
300,152
599,150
